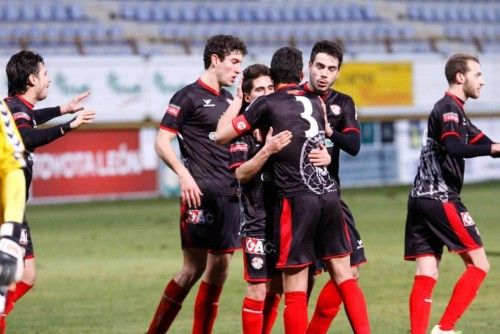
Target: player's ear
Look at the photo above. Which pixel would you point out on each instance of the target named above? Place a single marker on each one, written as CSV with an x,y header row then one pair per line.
x,y
459,78
246,97
214,59
32,79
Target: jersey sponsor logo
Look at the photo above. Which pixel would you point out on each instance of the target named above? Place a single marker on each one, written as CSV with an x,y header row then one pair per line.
x,y
238,147
173,110
21,115
257,262
359,244
199,217
467,219
450,117
208,103
335,109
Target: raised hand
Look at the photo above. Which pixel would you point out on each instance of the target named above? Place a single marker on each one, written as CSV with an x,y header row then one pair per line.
x,y
74,104
83,117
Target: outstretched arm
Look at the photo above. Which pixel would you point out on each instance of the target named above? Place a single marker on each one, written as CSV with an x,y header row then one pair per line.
x,y
46,114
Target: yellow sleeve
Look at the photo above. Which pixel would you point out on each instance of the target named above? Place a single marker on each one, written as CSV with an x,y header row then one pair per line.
x,y
13,183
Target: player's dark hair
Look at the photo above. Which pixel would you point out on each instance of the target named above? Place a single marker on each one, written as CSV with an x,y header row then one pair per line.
x,y
286,65
330,48
457,63
20,66
251,73
222,46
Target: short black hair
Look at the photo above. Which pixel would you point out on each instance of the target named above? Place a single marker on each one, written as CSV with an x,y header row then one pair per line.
x,y
20,66
457,63
286,65
222,46
251,73
330,48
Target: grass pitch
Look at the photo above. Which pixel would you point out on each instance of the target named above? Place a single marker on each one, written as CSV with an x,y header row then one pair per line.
x,y
103,266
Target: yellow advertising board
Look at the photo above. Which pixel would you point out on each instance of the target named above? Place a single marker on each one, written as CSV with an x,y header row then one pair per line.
x,y
377,84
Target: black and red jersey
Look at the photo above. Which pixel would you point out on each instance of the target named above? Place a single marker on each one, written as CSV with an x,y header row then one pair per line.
x,y
343,119
27,120
301,113
258,194
440,176
193,113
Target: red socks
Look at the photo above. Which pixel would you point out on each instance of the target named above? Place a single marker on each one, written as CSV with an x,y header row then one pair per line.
x,y
463,294
205,308
327,307
270,313
251,316
168,308
421,303
355,306
12,296
295,314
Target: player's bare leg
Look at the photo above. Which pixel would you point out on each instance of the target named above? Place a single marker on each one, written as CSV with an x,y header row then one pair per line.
x,y
466,288
352,296
194,263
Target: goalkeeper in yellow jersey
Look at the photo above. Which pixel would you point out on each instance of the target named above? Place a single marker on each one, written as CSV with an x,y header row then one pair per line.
x,y
13,193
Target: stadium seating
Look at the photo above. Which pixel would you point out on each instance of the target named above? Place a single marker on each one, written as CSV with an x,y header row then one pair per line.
x,y
385,26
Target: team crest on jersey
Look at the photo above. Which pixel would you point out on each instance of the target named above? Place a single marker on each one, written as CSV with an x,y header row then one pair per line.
x,y
199,217
211,136
173,110
208,103
254,246
257,262
467,219
450,117
335,109
21,115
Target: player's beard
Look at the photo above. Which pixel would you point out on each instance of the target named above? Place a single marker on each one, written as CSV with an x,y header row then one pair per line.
x,y
470,90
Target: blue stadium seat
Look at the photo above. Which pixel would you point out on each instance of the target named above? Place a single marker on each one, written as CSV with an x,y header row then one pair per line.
x,y
142,13
301,13
12,13
76,11
370,12
59,12
28,13
288,13
158,14
126,10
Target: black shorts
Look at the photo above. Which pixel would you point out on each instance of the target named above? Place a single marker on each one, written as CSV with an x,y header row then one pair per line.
x,y
213,226
259,258
431,224
309,227
26,240
358,250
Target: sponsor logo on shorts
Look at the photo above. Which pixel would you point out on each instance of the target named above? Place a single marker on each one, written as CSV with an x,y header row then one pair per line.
x,y
467,219
360,244
199,217
254,246
257,262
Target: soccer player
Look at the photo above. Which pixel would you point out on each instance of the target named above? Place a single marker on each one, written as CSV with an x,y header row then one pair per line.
x,y
309,222
436,216
324,67
12,204
249,160
210,212
28,83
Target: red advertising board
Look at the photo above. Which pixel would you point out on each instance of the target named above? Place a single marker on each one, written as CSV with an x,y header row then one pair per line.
x,y
94,164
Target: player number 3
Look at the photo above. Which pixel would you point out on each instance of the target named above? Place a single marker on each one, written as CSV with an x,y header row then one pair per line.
x,y
307,115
